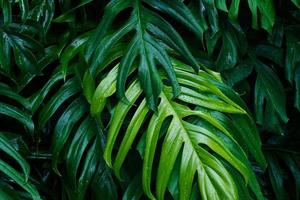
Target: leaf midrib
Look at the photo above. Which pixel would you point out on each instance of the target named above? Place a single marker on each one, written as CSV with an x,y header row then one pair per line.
x,y
186,139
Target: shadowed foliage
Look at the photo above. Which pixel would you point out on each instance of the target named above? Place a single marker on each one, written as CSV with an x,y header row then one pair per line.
x,y
149,99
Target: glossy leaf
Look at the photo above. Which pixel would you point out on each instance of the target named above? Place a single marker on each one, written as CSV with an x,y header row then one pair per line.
x,y
64,126
19,179
269,87
145,46
19,115
7,148
69,89
180,134
120,99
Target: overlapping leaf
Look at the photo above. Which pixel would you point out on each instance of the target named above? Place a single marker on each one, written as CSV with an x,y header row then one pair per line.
x,y
292,66
148,26
23,47
282,157
195,144
76,141
184,138
269,88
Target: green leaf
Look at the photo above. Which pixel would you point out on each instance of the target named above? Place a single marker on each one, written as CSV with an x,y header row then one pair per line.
x,y
19,179
9,93
70,88
82,138
25,60
23,46
122,109
221,5
105,89
228,55
265,8
148,26
182,134
90,164
134,191
64,127
245,126
179,11
293,48
277,33
296,2
293,167
110,12
267,14
108,42
148,74
19,115
11,151
125,66
6,9
43,12
37,99
24,7
234,9
4,195
213,16
88,85
276,177
269,87
272,53
5,52
103,184
297,83
65,17
72,50
238,73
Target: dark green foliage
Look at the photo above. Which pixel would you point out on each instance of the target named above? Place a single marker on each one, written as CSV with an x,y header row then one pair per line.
x,y
149,99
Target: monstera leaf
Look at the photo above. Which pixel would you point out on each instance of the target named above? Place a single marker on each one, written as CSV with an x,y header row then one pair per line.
x,y
269,89
292,62
18,115
198,143
282,157
116,99
148,27
76,142
263,12
13,38
13,174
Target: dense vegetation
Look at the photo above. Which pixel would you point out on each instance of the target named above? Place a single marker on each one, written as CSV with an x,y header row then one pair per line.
x,y
149,99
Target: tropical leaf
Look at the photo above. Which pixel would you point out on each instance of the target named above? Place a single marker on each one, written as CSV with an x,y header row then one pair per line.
x,y
183,138
144,89
292,63
269,88
76,140
19,179
43,12
68,15
16,115
23,46
13,174
144,44
266,11
296,2
281,152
